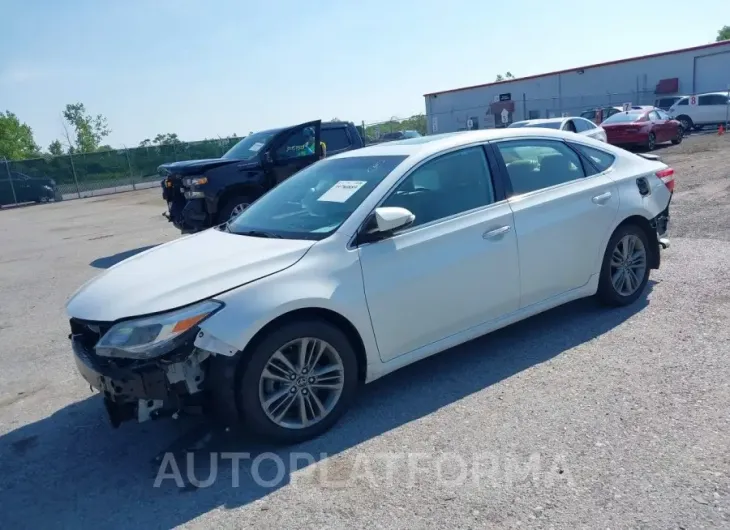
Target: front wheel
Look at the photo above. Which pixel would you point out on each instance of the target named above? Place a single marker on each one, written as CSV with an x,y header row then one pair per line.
x,y
298,382
233,207
625,269
678,138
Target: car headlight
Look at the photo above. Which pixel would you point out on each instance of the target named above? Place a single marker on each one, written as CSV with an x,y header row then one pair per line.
x,y
153,336
194,181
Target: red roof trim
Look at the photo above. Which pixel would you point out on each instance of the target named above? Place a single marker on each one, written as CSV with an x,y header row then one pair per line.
x,y
619,61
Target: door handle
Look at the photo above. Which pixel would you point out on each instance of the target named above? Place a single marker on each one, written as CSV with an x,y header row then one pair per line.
x,y
494,234
602,198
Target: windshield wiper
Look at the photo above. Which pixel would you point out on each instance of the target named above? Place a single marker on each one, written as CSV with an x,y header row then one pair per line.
x,y
258,233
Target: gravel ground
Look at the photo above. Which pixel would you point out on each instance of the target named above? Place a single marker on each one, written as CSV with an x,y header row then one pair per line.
x,y
578,418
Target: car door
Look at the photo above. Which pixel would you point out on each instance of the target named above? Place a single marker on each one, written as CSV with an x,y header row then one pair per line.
x,y
713,108
293,149
562,210
658,126
23,187
454,268
669,125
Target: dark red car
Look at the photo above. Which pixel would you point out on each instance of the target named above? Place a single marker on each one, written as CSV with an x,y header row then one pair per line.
x,y
642,127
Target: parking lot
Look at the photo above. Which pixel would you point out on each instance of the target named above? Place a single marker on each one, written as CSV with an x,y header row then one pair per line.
x,y
581,417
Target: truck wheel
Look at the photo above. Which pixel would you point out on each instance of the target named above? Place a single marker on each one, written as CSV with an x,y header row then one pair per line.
x,y
299,380
233,207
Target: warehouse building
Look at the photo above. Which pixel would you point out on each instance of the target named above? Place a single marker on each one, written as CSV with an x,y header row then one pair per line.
x,y
639,81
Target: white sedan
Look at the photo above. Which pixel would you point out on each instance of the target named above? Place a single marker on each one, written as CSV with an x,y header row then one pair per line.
x,y
574,124
363,263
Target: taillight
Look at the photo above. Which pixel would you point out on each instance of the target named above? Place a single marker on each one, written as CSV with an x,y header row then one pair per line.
x,y
667,177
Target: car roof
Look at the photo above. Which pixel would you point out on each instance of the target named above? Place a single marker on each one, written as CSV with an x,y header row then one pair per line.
x,y
547,120
435,143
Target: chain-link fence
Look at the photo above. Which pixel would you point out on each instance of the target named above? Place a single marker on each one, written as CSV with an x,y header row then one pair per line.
x,y
86,174
393,129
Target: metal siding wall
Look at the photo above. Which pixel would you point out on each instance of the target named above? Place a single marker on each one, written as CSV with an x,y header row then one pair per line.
x,y
712,72
571,92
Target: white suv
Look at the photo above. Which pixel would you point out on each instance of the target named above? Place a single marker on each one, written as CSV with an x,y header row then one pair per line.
x,y
712,108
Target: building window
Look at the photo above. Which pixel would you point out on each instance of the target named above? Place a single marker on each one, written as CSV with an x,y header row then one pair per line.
x,y
533,115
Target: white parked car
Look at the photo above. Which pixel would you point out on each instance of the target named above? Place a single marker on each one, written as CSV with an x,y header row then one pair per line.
x,y
363,263
695,112
573,124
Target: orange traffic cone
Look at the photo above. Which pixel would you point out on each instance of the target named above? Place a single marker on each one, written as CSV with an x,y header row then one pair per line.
x,y
720,130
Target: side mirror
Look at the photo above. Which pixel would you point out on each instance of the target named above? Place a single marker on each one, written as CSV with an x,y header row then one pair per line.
x,y
384,221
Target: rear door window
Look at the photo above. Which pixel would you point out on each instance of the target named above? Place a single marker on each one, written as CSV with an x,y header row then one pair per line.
x,y
538,164
600,159
583,125
336,139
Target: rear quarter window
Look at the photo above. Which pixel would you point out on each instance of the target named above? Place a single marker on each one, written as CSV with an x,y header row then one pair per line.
x,y
600,159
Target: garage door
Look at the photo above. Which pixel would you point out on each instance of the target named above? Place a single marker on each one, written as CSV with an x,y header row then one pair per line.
x,y
712,72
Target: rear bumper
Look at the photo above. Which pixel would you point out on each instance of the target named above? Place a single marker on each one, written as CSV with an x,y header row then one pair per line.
x,y
628,139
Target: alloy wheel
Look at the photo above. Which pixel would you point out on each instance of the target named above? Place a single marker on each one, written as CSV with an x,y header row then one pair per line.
x,y
238,209
628,265
301,383
652,141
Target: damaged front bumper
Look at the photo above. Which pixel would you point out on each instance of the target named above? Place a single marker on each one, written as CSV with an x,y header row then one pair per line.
x,y
142,389
661,224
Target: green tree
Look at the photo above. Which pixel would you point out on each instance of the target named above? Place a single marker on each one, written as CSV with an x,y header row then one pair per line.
x,y
723,34
417,122
145,143
16,138
504,77
166,139
55,148
88,130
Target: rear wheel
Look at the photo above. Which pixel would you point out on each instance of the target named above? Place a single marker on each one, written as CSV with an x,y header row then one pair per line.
x,y
625,269
651,143
298,382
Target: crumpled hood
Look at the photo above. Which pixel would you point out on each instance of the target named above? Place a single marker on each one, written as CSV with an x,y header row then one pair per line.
x,y
194,167
182,272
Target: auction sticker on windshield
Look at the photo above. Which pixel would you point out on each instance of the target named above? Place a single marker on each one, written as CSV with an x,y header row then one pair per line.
x,y
342,190
256,146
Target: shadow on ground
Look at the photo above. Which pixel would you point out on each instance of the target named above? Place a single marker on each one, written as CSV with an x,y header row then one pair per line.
x,y
110,261
73,470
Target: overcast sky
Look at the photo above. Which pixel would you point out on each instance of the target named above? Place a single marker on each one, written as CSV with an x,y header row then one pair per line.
x,y
217,67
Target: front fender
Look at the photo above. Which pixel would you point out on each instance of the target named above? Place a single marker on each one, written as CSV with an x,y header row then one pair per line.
x,y
303,286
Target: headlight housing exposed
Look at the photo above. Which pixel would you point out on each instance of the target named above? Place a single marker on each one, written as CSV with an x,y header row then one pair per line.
x,y
189,182
153,336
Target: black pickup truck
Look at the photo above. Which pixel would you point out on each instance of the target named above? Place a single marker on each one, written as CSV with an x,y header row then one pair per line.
x,y
205,193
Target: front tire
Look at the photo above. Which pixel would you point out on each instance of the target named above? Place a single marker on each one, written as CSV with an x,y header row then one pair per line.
x,y
233,207
686,122
680,134
625,269
299,381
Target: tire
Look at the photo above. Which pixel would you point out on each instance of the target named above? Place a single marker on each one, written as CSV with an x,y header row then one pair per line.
x,y
686,122
651,143
251,387
608,293
680,134
231,205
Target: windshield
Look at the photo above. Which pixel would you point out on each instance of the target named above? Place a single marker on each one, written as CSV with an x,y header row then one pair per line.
x,y
250,146
517,124
624,117
314,202
546,124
